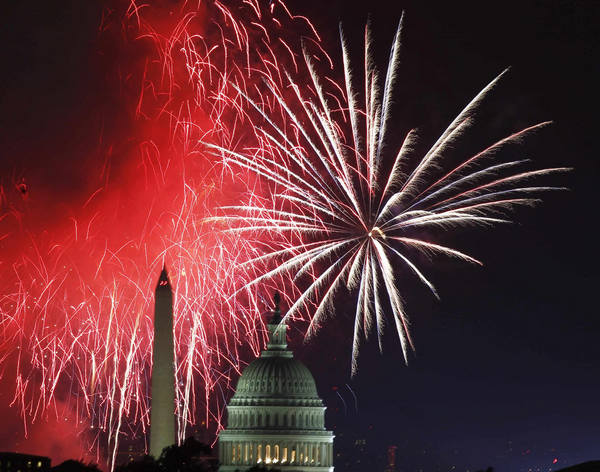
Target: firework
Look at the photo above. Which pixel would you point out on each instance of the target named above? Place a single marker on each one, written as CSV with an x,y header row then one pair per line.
x,y
345,212
76,298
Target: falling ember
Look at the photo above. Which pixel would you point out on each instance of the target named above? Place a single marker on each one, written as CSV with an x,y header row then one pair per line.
x,y
345,214
76,297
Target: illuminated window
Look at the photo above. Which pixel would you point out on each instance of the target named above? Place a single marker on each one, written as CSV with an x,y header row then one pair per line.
x,y
39,464
293,457
268,454
259,454
276,453
284,457
246,453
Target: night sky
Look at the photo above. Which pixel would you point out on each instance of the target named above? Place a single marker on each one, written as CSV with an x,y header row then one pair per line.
x,y
507,365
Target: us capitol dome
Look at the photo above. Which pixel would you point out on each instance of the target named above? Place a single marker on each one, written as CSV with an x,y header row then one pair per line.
x,y
276,417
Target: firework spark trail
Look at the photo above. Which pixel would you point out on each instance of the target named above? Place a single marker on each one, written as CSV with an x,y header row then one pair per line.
x,y
76,303
347,221
85,331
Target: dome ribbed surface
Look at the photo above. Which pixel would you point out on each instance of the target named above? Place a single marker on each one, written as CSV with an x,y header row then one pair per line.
x,y
276,377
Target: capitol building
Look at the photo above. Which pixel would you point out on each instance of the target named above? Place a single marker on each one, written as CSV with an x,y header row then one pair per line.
x,y
276,417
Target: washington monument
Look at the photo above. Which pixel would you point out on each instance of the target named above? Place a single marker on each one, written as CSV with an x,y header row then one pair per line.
x,y
162,414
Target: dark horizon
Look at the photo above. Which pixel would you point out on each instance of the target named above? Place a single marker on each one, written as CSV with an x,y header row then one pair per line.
x,y
505,372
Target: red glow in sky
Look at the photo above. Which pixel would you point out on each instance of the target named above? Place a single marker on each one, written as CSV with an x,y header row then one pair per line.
x,y
78,278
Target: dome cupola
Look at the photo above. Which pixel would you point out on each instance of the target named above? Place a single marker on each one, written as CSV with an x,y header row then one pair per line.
x,y
276,377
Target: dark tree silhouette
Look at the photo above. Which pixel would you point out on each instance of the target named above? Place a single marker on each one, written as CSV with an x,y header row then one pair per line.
x,y
191,456
75,466
145,464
